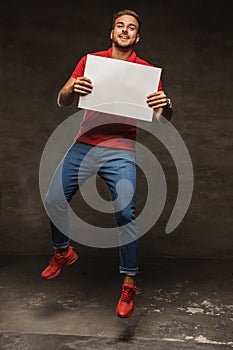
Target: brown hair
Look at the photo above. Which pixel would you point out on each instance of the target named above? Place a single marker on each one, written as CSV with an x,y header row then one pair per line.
x,y
127,12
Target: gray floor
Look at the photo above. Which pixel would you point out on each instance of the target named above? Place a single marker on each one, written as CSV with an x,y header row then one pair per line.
x,y
182,304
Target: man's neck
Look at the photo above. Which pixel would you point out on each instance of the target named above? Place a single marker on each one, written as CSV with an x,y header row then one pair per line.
x,y
121,54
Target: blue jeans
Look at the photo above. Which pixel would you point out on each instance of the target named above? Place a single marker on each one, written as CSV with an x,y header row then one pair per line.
x,y
112,165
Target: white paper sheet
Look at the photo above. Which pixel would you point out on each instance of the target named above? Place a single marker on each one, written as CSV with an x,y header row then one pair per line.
x,y
120,87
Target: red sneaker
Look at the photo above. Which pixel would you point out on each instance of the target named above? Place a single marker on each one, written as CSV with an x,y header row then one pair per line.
x,y
57,262
125,305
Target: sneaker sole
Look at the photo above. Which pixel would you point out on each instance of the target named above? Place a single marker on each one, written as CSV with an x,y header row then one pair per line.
x,y
125,316
52,276
121,316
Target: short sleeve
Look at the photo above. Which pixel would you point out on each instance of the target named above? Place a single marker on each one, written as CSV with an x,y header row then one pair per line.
x,y
80,67
160,87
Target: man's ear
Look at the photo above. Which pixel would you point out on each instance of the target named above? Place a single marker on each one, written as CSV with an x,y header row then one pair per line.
x,y
111,34
138,38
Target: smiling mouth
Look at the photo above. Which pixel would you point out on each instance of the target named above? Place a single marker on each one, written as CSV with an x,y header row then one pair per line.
x,y
123,37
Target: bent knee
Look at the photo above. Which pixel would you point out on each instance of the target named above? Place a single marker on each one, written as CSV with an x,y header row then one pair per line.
x,y
125,216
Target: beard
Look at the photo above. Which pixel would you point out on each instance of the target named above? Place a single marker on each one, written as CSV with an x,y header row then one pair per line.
x,y
121,45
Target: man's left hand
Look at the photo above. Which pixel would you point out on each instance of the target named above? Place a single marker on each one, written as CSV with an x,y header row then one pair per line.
x,y
157,100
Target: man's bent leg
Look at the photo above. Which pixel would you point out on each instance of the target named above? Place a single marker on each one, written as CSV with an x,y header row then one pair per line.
x,y
64,185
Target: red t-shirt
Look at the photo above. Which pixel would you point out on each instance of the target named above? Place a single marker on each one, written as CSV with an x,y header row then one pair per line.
x,y
115,135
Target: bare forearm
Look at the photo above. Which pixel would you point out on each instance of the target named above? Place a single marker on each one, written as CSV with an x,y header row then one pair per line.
x,y
66,97
73,89
164,113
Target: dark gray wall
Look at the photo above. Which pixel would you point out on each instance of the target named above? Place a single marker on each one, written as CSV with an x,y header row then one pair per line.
x,y
40,45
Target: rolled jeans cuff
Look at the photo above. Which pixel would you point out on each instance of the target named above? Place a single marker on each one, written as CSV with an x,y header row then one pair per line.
x,y
129,271
61,246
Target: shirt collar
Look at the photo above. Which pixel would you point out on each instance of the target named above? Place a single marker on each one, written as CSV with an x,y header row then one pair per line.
x,y
132,57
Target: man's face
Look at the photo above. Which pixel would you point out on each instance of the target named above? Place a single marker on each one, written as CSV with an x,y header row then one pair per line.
x,y
125,32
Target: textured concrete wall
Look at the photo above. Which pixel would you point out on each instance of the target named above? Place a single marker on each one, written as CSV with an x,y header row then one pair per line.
x,y
41,43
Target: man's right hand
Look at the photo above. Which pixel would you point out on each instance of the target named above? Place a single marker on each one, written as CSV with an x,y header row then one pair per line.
x,y
82,86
